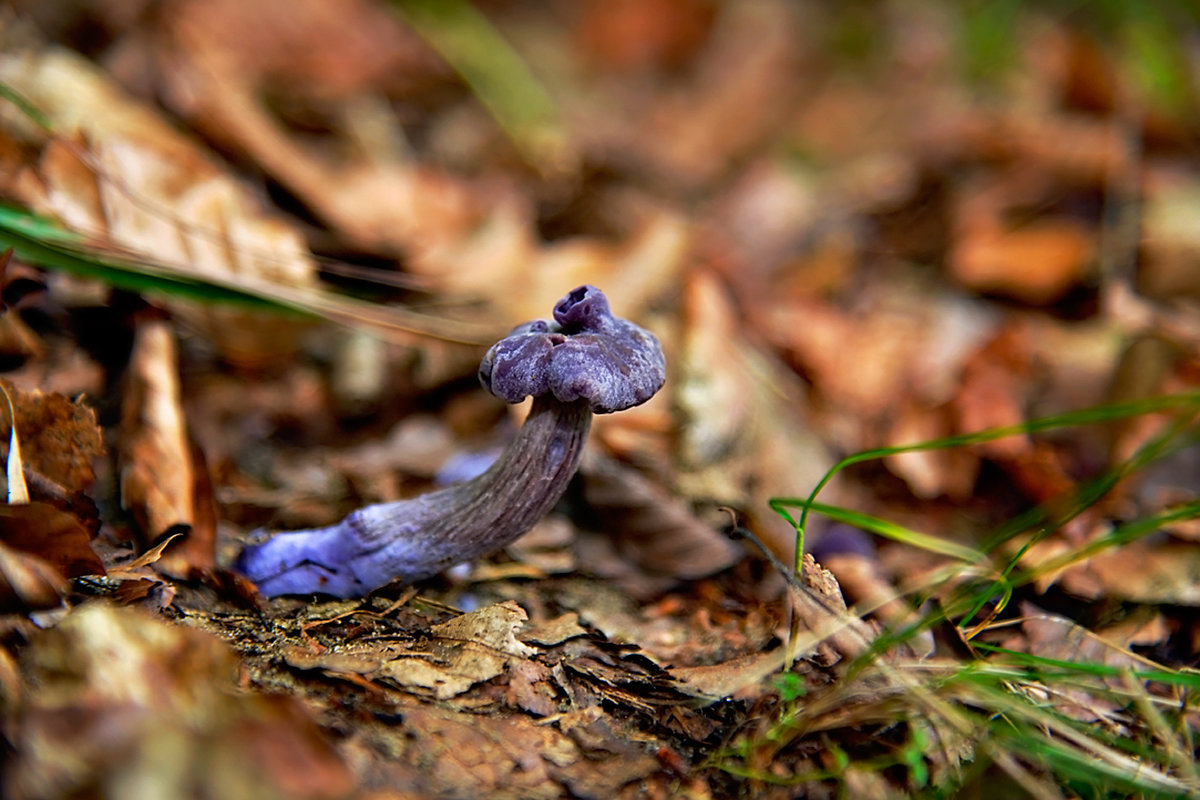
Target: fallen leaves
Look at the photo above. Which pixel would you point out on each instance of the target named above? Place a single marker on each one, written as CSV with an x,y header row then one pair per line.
x,y
657,533
464,651
1036,263
44,543
138,184
837,256
137,701
28,583
512,719
55,536
734,449
60,437
160,483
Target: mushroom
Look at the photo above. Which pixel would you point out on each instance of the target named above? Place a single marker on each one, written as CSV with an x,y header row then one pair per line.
x,y
585,362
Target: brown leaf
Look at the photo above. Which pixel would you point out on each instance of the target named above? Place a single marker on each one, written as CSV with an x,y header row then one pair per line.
x,y
466,650
137,701
349,660
899,338
473,238
160,483
743,435
1037,263
1140,572
28,583
530,688
1058,638
868,589
930,473
5,258
10,682
691,135
720,681
18,342
59,436
996,382
637,34
132,184
54,536
652,528
513,756
1170,242
133,179
381,204
311,48
555,631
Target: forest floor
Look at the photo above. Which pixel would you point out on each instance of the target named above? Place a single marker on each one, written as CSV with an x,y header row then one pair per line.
x,y
258,250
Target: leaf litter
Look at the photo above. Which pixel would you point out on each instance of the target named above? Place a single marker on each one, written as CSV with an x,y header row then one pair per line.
x,y
870,256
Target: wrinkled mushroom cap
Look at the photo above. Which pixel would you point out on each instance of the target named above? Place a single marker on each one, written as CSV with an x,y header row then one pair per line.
x,y
585,353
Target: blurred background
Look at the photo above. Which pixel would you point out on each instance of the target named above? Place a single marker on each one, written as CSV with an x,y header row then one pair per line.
x,y
260,247
853,225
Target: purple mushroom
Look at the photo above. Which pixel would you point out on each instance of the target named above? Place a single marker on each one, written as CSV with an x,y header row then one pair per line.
x,y
584,362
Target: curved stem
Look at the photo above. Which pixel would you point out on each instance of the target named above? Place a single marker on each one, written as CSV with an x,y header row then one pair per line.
x,y
419,537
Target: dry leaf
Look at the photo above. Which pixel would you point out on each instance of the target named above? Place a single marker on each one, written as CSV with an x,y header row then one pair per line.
x,y
60,437
132,570
160,484
635,34
54,536
721,681
513,756
1163,572
555,631
382,203
742,438
870,591
140,183
131,182
651,528
219,59
28,583
467,650
1170,243
1037,263
737,98
137,701
996,382
930,473
466,238
1058,638
504,251
901,338
1055,637
493,627
546,547
349,660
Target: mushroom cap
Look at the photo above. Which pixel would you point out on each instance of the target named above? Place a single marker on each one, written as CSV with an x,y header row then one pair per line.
x,y
585,353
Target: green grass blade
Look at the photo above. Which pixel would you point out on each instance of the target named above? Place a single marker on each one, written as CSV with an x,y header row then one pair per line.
x,y
495,73
1088,416
1043,668
1122,534
38,241
27,108
890,530
42,243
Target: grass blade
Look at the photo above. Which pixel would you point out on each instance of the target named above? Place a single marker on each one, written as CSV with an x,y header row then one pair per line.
x,y
495,73
1087,416
41,242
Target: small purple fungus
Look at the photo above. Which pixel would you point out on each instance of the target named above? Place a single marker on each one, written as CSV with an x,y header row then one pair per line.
x,y
584,362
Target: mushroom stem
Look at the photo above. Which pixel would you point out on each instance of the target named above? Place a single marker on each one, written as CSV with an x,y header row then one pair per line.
x,y
419,537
